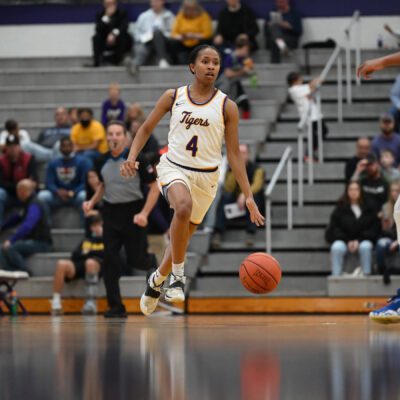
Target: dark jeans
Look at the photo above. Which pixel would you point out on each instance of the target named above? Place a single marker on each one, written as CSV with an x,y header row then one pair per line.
x,y
180,52
228,198
273,32
158,46
13,258
325,132
122,45
119,230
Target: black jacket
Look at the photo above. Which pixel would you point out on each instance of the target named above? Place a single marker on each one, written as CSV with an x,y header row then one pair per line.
x,y
345,226
119,20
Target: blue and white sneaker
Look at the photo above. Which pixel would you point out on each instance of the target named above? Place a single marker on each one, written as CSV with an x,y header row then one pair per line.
x,y
389,314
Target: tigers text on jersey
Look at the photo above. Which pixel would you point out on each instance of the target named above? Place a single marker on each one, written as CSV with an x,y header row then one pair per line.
x,y
196,131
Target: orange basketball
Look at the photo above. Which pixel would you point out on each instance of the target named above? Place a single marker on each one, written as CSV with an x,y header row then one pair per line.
x,y
260,273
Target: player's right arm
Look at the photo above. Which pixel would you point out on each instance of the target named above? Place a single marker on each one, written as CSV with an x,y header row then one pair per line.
x,y
163,105
377,64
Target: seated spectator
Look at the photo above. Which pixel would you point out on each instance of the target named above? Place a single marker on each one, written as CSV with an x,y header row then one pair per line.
x,y
236,19
237,64
395,98
353,227
113,108
373,183
33,233
85,263
50,137
112,25
11,127
387,163
88,136
282,30
232,194
133,113
394,33
73,115
15,165
152,31
387,244
65,179
388,138
192,27
363,148
301,95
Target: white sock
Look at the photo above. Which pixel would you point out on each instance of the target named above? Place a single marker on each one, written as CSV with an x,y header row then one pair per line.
x,y
178,269
158,278
56,298
396,217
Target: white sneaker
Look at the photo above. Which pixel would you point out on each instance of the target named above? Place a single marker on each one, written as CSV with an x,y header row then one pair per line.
x,y
163,63
89,308
56,307
176,291
149,299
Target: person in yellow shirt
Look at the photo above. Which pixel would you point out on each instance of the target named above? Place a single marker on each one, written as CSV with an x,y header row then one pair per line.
x,y
88,135
192,27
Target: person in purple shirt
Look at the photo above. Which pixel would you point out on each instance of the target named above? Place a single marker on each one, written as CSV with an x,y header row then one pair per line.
x,y
388,139
33,233
113,108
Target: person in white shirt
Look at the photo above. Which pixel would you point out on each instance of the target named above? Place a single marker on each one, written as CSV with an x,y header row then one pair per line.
x,y
40,152
301,95
152,30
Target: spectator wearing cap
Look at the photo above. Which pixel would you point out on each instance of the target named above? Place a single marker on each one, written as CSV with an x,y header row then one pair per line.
x,y
395,98
65,179
88,135
33,233
374,185
15,165
363,148
388,138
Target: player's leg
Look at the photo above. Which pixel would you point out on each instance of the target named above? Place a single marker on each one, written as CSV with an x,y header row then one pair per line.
x,y
65,270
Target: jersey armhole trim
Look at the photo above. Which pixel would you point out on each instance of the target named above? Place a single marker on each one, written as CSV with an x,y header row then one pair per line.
x,y
224,109
173,100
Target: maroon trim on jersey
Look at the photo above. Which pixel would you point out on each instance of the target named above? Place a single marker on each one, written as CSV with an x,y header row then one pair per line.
x,y
224,108
200,104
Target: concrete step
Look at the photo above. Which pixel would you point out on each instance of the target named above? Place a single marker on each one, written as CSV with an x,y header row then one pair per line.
x,y
66,218
65,240
303,216
232,287
293,262
388,74
282,239
371,90
176,75
362,286
133,92
329,171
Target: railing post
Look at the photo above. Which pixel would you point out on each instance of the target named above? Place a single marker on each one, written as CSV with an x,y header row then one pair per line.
x,y
290,193
348,69
358,48
319,127
268,224
310,160
300,155
340,88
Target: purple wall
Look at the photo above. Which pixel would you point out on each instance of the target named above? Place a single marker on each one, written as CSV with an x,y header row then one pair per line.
x,y
54,14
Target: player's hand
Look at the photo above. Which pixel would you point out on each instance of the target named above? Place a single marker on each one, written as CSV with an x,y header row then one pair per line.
x,y
128,168
255,215
368,67
140,219
87,207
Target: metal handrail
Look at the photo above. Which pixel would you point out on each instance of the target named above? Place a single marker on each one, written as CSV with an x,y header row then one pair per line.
x,y
286,159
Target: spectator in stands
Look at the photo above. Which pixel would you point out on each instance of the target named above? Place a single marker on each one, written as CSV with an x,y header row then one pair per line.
x,y
236,65
387,244
65,179
113,108
235,19
353,227
388,163
388,139
111,35
15,165
85,263
133,113
232,194
282,30
33,233
73,115
301,95
395,98
152,31
50,137
192,27
88,136
373,183
393,32
11,127
363,148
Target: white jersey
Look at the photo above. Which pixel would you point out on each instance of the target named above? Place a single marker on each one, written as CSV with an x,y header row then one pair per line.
x,y
196,131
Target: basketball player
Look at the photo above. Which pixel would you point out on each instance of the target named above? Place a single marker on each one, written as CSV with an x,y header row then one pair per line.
x,y
201,117
391,312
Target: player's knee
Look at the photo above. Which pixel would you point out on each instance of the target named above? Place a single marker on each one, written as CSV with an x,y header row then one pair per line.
x,y
183,209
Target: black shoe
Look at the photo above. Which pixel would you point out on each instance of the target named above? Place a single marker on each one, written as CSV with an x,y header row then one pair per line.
x,y
116,312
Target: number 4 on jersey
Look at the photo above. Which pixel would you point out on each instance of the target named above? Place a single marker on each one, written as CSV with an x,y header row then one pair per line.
x,y
192,145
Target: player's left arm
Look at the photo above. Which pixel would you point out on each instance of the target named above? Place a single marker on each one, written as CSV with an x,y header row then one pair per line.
x,y
141,218
235,160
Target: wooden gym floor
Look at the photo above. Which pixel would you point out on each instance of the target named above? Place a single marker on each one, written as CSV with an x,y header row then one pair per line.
x,y
199,357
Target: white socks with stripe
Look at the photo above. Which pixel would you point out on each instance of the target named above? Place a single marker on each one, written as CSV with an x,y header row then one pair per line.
x,y
157,277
